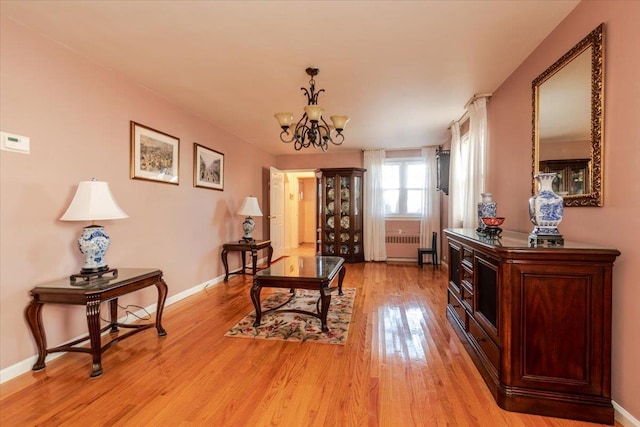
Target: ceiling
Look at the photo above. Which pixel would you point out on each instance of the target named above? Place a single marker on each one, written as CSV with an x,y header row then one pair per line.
x,y
402,70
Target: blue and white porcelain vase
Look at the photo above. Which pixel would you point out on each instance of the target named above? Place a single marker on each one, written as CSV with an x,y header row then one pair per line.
x,y
94,243
487,208
546,207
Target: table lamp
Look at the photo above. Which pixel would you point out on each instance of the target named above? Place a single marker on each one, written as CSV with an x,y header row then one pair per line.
x,y
249,208
93,201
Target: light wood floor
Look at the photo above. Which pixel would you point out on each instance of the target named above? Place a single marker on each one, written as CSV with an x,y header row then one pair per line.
x,y
402,365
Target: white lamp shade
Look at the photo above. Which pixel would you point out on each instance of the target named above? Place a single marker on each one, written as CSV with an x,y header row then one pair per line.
x,y
250,207
93,201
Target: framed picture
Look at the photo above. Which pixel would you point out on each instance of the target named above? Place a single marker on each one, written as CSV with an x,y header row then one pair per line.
x,y
208,168
154,155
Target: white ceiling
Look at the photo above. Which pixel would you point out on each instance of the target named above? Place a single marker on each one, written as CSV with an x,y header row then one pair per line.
x,y
402,70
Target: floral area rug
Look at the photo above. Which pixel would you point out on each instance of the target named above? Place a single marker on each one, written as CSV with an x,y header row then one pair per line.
x,y
299,327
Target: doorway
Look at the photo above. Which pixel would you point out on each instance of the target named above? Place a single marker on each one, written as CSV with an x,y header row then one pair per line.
x,y
300,194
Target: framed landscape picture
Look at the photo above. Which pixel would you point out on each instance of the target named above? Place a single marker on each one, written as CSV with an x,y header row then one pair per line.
x,y
154,155
208,168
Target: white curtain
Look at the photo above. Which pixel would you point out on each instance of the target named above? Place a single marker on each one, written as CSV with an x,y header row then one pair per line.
x,y
430,218
456,174
477,160
374,224
468,166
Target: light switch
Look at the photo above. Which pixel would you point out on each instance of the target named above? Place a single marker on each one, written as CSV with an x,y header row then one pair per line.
x,y
15,143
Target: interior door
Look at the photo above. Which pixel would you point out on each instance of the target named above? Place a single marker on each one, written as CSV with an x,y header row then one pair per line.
x,y
276,212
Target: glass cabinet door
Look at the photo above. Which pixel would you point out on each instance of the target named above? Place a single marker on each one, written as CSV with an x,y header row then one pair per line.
x,y
330,216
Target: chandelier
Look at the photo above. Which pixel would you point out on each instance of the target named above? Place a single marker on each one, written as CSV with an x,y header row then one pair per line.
x,y
311,129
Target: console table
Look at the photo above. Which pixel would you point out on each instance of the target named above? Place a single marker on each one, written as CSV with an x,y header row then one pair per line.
x,y
243,247
296,272
91,294
536,321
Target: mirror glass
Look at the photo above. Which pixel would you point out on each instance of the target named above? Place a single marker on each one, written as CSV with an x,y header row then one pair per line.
x,y
567,118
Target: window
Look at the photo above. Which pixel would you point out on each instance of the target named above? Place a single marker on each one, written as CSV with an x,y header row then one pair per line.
x,y
403,181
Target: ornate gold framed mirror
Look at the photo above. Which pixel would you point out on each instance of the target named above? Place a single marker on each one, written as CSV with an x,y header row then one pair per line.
x,y
568,114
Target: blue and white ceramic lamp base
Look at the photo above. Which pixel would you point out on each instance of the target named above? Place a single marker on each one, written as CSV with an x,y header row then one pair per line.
x,y
94,243
247,227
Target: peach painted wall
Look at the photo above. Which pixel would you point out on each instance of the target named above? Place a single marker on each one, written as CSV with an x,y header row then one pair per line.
x,y
617,223
308,211
344,159
77,115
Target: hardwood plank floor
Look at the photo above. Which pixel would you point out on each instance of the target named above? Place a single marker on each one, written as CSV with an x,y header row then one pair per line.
x,y
402,365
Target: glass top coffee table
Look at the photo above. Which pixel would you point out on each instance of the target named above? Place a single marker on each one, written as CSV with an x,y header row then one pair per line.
x,y
298,272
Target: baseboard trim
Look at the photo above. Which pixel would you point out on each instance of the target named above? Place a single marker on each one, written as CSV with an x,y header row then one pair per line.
x,y
624,417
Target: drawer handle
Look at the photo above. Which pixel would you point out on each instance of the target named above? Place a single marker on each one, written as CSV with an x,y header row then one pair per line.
x,y
468,298
455,305
481,339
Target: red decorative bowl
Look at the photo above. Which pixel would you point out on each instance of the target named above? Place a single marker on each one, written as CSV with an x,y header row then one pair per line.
x,y
495,221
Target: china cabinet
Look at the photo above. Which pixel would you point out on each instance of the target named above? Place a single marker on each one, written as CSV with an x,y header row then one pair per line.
x,y
572,175
339,225
536,321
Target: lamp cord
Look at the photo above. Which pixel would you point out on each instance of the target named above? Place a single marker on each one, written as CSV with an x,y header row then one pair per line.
x,y
127,311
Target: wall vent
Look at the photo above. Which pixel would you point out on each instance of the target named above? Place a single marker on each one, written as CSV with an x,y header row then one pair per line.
x,y
403,239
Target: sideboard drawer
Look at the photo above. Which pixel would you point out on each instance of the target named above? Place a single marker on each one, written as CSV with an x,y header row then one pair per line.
x,y
485,343
458,310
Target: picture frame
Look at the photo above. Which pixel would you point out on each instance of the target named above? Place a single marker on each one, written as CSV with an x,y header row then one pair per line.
x,y
208,168
155,155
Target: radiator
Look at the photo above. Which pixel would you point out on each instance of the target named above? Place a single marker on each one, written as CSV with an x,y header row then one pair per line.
x,y
402,239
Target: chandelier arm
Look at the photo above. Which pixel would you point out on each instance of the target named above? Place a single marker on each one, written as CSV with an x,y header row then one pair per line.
x,y
312,134
325,125
285,132
302,129
303,121
338,141
315,96
308,94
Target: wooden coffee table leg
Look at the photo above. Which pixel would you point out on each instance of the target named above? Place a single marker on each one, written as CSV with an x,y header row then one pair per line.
x,y
255,298
341,275
325,300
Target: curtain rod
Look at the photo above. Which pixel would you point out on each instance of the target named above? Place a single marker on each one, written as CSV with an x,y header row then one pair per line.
x,y
401,149
477,96
465,116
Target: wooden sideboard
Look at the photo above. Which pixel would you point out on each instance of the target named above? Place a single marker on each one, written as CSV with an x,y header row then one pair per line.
x,y
536,321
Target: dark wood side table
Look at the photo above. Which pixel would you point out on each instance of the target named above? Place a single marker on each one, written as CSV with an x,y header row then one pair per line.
x,y
244,247
92,294
295,272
